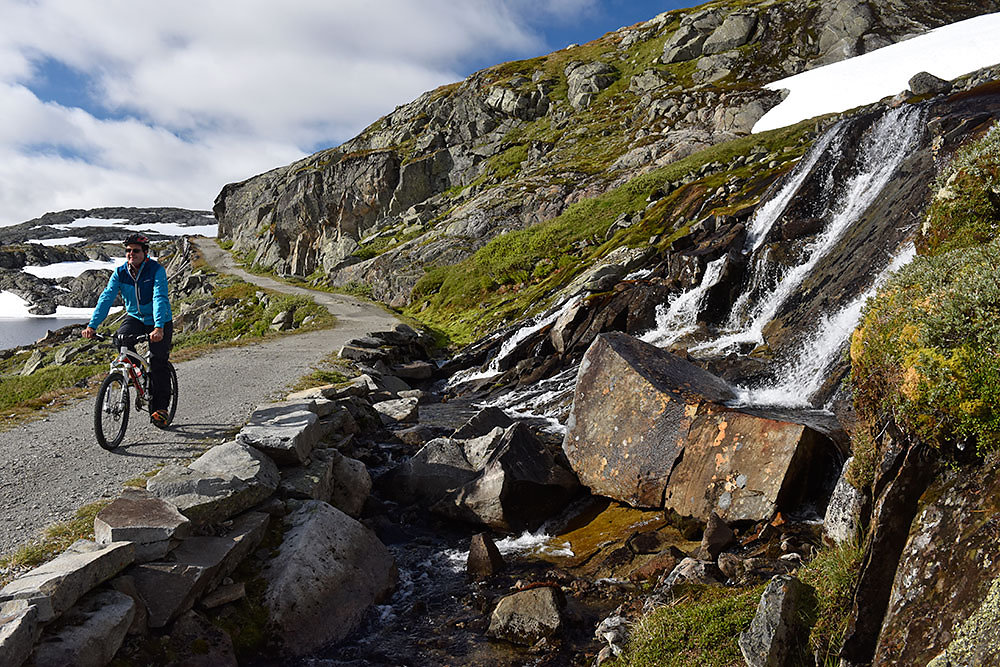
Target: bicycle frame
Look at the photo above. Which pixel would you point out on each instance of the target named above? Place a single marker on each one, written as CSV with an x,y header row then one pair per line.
x,y
135,368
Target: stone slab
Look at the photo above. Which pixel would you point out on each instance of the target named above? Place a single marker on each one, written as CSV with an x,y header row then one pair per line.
x,y
286,436
89,634
138,516
19,630
632,410
56,586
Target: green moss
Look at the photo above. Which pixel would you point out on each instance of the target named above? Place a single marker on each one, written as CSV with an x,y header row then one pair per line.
x,y
700,629
976,640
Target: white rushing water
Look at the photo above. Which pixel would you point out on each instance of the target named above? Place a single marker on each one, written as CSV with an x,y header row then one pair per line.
x,y
679,316
886,144
511,343
799,380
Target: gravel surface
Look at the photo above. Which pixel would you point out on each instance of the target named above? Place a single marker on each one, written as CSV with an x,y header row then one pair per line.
x,y
52,467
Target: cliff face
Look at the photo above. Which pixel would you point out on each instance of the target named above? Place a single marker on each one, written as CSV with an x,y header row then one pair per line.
x,y
515,144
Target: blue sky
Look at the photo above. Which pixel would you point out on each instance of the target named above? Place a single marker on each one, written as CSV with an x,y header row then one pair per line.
x,y
126,102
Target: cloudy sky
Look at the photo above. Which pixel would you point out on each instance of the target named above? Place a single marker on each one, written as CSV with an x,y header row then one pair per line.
x,y
130,102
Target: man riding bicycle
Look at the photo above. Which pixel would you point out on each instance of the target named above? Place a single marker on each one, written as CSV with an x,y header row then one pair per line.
x,y
142,284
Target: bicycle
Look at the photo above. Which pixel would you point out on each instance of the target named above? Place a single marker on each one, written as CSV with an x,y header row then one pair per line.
x,y
129,369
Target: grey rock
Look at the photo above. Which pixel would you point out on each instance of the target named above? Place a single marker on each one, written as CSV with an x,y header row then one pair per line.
x,y
924,83
414,370
197,565
222,482
286,436
19,630
484,559
587,79
439,466
691,570
311,481
400,410
56,586
482,423
528,616
735,31
842,521
89,634
519,485
328,572
350,484
137,516
717,538
776,635
34,362
224,595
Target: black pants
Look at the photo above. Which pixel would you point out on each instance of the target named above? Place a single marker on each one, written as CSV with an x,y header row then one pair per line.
x,y
159,375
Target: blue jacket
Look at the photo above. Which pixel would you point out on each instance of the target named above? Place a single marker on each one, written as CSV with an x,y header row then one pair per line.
x,y
145,296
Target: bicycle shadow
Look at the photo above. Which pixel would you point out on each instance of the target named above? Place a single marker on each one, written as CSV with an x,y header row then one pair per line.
x,y
179,440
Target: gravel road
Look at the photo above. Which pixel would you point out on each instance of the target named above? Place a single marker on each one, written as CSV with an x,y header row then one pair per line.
x,y
53,466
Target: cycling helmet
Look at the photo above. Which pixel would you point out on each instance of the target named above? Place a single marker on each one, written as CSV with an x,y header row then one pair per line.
x,y
138,239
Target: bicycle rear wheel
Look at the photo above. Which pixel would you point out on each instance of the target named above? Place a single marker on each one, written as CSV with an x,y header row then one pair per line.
x,y
111,411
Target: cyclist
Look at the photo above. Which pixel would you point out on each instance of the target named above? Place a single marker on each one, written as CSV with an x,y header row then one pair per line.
x,y
142,284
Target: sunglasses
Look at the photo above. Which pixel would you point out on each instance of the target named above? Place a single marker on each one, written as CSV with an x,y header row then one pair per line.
x,y
132,251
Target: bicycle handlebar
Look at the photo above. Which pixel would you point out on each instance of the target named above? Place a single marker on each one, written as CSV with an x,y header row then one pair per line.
x,y
119,340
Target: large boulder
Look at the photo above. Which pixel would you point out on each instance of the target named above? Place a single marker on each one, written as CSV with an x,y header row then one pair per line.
x,y
945,595
632,409
328,572
649,429
520,485
438,467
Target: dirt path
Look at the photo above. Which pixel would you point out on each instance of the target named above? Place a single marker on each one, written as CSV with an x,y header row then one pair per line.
x,y
51,467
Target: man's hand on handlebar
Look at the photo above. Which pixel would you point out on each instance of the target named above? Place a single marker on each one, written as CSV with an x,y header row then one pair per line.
x,y
156,335
89,332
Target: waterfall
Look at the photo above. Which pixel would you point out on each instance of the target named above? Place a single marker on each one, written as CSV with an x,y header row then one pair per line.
x,y
885,145
799,380
510,344
680,315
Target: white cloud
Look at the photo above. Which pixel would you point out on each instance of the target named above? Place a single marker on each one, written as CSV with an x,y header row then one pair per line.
x,y
186,96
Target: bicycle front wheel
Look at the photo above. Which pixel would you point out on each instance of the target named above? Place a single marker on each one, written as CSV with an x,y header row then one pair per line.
x,y
111,411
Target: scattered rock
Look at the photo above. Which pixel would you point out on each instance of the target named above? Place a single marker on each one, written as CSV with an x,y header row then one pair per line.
x,y
776,635
485,559
150,523
528,616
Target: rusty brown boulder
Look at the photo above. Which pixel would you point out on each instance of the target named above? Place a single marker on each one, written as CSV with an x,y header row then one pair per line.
x,y
650,429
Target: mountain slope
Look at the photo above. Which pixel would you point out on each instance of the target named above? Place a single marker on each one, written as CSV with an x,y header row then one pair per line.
x,y
517,144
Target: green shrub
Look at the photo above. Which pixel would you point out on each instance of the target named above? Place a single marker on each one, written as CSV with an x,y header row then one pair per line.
x,y
833,575
965,211
927,352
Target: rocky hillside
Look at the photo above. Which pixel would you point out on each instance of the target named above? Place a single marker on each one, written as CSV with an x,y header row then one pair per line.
x,y
517,144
